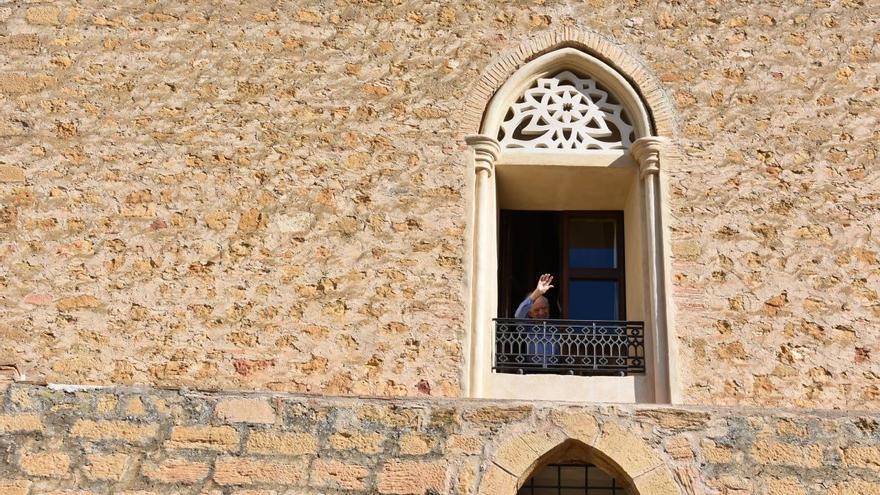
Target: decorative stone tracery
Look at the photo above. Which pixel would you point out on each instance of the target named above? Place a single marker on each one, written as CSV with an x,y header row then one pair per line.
x,y
569,112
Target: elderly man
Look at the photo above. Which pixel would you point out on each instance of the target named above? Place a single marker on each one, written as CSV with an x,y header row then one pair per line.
x,y
541,348
536,306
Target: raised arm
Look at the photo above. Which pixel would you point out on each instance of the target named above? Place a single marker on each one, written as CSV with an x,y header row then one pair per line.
x,y
545,282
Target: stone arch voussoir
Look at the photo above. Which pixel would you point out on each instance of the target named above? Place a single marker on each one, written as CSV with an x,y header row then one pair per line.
x,y
598,45
519,452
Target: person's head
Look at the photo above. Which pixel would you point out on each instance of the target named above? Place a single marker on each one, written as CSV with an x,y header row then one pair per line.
x,y
540,309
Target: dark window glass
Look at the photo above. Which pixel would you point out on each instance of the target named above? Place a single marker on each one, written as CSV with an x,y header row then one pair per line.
x,y
593,300
545,477
593,266
583,250
571,476
592,243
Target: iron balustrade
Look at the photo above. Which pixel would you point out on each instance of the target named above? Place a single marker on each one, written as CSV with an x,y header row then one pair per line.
x,y
574,347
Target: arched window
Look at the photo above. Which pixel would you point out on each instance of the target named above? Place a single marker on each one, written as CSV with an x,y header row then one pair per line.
x,y
567,181
573,478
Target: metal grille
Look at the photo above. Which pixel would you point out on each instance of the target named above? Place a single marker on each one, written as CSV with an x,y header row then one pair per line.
x,y
564,479
575,347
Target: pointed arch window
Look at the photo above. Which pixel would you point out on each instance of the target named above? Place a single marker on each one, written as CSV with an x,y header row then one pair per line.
x,y
572,479
567,138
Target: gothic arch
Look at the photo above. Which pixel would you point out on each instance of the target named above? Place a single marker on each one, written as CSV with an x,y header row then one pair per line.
x,y
576,436
658,103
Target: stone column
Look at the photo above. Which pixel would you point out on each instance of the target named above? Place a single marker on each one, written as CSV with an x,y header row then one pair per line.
x,y
646,151
485,151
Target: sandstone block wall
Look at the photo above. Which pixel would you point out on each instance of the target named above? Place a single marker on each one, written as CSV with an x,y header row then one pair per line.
x,y
151,441
272,196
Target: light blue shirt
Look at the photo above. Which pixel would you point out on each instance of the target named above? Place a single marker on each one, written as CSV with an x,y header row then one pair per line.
x,y
524,307
548,346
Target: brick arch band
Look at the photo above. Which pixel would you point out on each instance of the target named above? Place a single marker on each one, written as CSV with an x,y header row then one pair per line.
x,y
519,454
600,46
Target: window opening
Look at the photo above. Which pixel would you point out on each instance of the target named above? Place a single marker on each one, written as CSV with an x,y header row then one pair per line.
x,y
583,250
572,479
586,332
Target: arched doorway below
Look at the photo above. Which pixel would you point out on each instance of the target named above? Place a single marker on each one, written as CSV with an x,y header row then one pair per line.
x,y
572,479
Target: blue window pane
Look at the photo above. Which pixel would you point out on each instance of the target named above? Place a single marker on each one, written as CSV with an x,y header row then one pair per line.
x,y
593,300
592,243
591,258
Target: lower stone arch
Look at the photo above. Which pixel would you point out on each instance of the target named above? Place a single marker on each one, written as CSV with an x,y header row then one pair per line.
x,y
576,437
572,450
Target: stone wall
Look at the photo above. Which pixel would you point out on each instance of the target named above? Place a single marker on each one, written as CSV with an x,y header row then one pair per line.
x,y
273,196
150,441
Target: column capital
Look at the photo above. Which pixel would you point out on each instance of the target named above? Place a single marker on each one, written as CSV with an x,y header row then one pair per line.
x,y
646,151
486,151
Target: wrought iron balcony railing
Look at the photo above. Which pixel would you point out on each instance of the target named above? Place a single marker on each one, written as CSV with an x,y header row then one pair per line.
x,y
570,347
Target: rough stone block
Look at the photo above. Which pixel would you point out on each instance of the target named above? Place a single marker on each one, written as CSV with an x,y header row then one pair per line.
x,y
392,416
679,448
11,173
515,455
495,415
675,419
17,423
135,407
281,443
338,475
108,467
630,452
777,453
465,477
112,430
856,487
714,453
245,411
863,457
45,464
578,425
788,427
106,404
657,482
203,438
412,478
731,484
243,471
43,15
415,444
784,486
15,487
465,444
496,481
368,443
176,471
686,249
